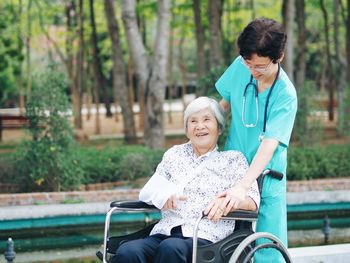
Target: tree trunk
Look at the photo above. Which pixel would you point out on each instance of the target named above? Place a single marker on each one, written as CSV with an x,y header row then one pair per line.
x,y
252,7
131,82
70,15
288,22
214,16
88,100
19,71
79,75
119,74
348,42
183,70
301,126
96,100
201,69
152,76
99,77
170,70
28,49
341,68
301,51
329,67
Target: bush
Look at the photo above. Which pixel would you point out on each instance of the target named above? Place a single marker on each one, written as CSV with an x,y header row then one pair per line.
x,y
47,162
134,166
117,163
305,163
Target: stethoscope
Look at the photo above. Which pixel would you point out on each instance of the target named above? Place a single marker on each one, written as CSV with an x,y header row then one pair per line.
x,y
251,83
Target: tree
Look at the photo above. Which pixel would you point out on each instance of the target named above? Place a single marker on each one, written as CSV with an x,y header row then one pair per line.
x,y
214,15
18,70
119,74
341,68
348,42
301,120
28,50
97,67
200,40
79,69
70,10
288,22
151,73
329,65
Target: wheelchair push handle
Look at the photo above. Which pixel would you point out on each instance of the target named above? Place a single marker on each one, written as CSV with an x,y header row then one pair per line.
x,y
273,174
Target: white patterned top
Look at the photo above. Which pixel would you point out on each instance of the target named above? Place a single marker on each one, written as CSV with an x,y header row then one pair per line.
x,y
200,179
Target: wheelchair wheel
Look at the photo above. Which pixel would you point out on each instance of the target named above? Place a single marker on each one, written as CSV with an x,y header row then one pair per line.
x,y
250,242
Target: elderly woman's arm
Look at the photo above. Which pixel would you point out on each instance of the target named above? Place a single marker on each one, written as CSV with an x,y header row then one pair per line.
x,y
159,190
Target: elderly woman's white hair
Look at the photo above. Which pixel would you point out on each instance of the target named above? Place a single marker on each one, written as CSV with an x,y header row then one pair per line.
x,y
202,103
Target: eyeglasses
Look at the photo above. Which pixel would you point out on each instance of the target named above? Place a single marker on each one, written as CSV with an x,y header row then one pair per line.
x,y
260,69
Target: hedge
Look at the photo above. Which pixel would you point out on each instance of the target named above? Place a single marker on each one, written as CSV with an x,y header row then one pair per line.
x,y
132,162
305,163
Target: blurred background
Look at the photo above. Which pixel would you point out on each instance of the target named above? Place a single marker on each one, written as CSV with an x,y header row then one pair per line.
x,y
92,92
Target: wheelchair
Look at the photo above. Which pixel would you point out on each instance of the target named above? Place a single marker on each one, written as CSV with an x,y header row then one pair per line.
x,y
240,246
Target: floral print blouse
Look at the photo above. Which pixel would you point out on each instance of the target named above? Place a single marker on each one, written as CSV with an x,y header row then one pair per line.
x,y
200,179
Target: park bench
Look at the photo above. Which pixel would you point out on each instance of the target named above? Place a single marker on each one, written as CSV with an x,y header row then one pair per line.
x,y
8,121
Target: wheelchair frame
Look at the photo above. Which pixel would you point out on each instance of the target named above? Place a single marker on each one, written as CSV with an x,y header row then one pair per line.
x,y
247,246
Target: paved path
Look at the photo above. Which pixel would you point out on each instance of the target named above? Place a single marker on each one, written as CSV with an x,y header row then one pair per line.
x,y
325,254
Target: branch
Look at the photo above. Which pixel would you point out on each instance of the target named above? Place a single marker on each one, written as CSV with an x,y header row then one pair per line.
x,y
49,38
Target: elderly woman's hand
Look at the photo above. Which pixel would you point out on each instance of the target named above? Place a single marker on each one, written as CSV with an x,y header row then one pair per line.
x,y
171,203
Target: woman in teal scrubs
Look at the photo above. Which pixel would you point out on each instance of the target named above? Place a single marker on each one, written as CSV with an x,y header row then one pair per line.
x,y
263,104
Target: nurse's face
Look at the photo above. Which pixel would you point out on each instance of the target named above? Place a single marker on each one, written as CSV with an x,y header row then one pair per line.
x,y
262,68
203,131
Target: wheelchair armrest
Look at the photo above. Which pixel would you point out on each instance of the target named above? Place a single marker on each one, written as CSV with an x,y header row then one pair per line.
x,y
134,204
242,215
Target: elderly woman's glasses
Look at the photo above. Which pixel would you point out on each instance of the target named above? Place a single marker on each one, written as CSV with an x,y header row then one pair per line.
x,y
260,69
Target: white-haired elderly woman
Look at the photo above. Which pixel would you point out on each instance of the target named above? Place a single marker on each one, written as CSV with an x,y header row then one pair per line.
x,y
186,183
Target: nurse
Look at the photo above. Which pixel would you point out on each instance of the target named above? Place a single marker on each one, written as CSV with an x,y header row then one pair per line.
x,y
263,104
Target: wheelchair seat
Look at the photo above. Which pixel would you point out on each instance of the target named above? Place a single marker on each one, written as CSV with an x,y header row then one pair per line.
x,y
239,246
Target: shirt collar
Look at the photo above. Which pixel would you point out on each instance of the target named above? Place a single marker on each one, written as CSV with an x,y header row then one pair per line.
x,y
203,156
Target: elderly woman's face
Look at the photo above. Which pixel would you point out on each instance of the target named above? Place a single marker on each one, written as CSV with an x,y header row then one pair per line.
x,y
203,131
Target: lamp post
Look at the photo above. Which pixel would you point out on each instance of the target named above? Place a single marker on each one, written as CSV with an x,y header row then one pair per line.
x,y
10,253
326,228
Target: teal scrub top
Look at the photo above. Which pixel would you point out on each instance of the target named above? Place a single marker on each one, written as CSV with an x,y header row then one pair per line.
x,y
281,113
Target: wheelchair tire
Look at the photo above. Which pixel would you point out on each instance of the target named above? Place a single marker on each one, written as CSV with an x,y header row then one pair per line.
x,y
248,241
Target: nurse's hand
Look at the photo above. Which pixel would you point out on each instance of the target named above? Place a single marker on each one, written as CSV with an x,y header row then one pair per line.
x,y
233,198
171,203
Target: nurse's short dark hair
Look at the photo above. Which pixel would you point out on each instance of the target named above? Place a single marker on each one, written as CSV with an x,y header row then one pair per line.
x,y
264,37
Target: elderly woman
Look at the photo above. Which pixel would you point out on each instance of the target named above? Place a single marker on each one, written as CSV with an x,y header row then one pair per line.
x,y
186,183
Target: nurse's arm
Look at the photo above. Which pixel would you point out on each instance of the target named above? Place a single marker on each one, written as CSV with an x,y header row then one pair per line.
x,y
225,105
262,157
235,195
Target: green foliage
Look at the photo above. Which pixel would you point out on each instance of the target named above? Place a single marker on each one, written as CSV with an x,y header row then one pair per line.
x,y
308,129
48,162
206,84
305,163
129,163
10,54
117,163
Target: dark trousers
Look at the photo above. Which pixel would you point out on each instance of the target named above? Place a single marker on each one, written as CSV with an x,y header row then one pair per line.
x,y
158,249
